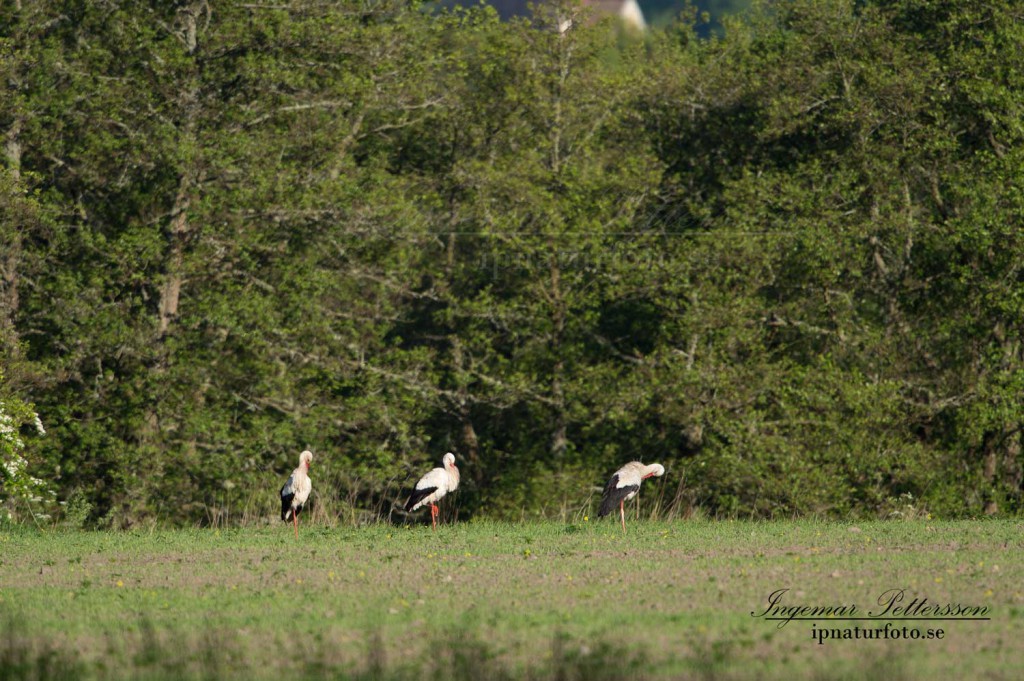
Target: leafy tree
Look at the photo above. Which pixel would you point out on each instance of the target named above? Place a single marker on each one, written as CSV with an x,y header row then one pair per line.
x,y
784,261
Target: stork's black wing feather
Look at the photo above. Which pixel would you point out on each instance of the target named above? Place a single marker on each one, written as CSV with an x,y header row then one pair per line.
x,y
418,495
287,495
614,495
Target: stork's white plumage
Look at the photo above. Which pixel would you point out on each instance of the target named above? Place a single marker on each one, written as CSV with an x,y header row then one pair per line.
x,y
624,485
296,491
432,487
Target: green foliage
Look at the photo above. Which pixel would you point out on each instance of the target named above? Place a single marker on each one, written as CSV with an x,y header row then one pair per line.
x,y
786,262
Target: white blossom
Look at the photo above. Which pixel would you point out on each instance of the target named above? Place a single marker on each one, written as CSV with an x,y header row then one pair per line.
x,y
17,483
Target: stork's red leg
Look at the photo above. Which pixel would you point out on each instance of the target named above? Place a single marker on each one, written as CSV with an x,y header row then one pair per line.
x,y
622,514
433,516
295,521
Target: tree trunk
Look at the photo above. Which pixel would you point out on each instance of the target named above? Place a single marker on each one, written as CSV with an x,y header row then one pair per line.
x,y
559,439
472,444
179,228
170,295
469,437
1013,473
10,259
1002,467
989,465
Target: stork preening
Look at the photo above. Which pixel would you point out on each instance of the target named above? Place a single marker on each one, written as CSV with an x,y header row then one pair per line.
x,y
432,487
624,485
296,491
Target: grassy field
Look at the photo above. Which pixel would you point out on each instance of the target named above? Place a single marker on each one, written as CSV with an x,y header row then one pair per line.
x,y
486,600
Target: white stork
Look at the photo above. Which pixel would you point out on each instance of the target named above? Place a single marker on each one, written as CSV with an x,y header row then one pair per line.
x,y
433,486
624,485
296,490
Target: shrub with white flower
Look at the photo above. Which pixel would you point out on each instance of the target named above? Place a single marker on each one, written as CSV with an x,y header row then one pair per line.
x,y
21,493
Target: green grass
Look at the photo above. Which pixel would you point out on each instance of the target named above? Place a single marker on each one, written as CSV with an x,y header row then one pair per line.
x,y
489,600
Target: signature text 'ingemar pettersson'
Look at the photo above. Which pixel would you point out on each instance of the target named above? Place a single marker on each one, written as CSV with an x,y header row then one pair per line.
x,y
891,606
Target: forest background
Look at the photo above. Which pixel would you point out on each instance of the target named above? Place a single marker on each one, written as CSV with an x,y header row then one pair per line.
x,y
783,258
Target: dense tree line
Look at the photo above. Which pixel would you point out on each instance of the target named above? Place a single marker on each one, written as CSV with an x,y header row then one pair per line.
x,y
786,263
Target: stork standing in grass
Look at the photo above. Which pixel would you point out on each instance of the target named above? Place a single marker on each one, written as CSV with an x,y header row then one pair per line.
x,y
433,486
624,485
296,491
